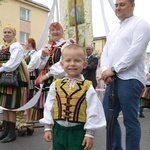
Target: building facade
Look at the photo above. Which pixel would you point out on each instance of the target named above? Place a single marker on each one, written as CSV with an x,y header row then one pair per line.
x,y
27,16
98,44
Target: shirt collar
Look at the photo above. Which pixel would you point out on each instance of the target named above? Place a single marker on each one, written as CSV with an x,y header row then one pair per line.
x,y
89,56
80,78
127,19
60,41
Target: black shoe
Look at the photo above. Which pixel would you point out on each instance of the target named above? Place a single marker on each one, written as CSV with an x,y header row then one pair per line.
x,y
141,116
5,131
11,136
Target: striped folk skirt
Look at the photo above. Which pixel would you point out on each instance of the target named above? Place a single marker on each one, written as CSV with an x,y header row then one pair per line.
x,y
13,98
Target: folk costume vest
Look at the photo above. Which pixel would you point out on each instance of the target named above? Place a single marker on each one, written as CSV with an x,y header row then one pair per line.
x,y
70,105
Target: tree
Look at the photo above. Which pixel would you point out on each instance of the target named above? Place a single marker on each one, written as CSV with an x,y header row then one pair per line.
x,y
2,1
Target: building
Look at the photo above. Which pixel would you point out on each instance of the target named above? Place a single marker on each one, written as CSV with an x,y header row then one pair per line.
x,y
98,44
28,17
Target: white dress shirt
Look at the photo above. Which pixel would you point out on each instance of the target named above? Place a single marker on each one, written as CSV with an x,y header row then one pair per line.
x,y
125,49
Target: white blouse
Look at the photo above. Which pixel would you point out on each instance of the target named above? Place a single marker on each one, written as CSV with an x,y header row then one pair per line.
x,y
38,62
17,53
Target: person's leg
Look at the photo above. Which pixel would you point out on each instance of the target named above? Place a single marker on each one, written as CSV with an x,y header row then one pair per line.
x,y
5,131
5,115
11,136
12,116
129,95
75,136
117,143
141,115
59,137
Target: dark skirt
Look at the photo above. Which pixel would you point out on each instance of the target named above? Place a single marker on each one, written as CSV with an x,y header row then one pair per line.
x,y
145,98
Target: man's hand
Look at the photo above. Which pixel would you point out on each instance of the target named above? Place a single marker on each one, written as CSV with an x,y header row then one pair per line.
x,y
108,80
107,76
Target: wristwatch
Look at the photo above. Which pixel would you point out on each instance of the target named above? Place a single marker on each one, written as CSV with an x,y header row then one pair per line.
x,y
113,70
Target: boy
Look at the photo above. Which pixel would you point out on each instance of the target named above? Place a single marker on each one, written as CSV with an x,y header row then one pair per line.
x,y
72,109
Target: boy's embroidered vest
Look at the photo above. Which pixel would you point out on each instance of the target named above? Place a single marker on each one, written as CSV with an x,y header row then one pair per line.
x,y
71,105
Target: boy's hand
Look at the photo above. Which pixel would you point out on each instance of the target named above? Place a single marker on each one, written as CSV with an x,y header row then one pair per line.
x,y
48,136
88,143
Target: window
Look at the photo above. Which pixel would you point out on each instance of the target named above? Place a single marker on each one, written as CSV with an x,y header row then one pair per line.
x,y
93,45
24,14
23,37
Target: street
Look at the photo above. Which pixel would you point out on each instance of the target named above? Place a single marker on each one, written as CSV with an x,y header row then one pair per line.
x,y
36,141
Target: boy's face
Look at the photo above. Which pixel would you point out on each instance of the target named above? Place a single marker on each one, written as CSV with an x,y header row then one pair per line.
x,y
73,62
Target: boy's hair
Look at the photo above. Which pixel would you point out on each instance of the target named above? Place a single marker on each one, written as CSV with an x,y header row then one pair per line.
x,y
75,46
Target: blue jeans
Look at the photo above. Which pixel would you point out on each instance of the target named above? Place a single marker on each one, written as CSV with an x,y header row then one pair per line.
x,y
127,93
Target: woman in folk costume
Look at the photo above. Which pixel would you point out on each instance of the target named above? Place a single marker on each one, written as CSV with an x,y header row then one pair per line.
x,y
11,54
30,46
47,62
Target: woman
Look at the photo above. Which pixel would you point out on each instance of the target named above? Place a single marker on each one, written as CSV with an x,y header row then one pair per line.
x,y
145,95
47,62
30,46
11,54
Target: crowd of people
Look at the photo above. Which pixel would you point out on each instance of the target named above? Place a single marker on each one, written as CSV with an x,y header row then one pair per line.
x,y
69,106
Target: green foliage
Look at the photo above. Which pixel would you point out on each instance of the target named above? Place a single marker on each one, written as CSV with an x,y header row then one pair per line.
x,y
97,54
84,43
2,1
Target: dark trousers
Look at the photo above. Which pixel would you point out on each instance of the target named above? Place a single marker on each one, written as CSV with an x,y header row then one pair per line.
x,y
68,138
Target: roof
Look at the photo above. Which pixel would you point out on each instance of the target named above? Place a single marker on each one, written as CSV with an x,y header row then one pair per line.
x,y
36,4
99,38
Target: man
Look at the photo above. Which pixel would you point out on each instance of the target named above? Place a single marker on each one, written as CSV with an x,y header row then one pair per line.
x,y
123,56
89,72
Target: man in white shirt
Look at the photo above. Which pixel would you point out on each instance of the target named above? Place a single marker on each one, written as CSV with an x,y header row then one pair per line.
x,y
123,57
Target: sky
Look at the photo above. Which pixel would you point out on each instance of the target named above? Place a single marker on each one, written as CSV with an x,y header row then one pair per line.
x,y
141,10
